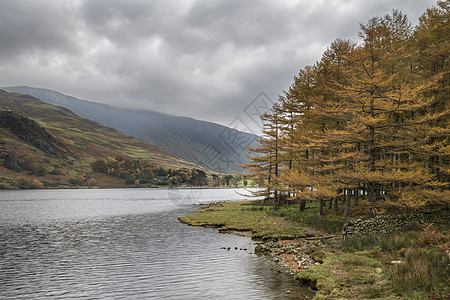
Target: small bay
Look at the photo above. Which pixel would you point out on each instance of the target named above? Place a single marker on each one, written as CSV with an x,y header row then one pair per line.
x,y
127,244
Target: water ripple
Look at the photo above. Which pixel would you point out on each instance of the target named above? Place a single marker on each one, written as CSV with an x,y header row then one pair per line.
x,y
146,254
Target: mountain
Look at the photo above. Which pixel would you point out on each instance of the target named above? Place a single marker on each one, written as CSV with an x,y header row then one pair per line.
x,y
42,141
211,145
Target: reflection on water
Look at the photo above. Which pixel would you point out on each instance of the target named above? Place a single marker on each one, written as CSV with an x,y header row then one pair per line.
x,y
125,244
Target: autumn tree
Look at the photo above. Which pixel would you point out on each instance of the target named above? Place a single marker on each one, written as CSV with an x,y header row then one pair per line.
x,y
265,165
370,117
381,117
431,45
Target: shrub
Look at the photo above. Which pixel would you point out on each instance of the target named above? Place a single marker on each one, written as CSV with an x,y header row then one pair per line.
x,y
100,166
37,184
91,181
55,171
428,236
39,171
77,180
23,183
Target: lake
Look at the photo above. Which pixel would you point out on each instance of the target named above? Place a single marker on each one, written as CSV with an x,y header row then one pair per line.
x,y
127,244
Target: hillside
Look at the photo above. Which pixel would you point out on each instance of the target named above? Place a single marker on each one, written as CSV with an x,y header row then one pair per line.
x,y
52,144
213,146
29,132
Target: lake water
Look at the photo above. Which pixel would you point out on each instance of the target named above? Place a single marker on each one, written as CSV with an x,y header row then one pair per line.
x,y
127,244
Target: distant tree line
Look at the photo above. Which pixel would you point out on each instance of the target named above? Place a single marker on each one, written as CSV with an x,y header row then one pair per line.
x,y
138,172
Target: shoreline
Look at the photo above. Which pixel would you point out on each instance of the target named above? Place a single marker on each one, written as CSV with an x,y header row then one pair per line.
x,y
381,266
292,253
125,187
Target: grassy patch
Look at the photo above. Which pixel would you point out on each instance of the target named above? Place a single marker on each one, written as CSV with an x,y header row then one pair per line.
x,y
415,263
390,243
308,218
348,276
423,270
235,216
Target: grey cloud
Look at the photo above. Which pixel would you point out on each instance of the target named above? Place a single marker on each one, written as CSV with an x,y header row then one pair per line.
x,y
200,58
39,26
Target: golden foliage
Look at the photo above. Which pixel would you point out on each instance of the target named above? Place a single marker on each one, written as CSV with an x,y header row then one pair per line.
x,y
372,116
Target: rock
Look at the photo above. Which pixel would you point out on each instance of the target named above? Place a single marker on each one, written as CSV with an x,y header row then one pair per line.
x,y
260,248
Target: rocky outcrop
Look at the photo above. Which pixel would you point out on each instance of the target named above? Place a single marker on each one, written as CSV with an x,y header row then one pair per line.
x,y
31,133
388,224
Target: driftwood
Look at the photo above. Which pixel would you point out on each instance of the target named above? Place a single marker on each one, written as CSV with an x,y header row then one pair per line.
x,y
320,237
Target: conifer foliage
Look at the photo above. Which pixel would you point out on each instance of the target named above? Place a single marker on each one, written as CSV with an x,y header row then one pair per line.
x,y
369,121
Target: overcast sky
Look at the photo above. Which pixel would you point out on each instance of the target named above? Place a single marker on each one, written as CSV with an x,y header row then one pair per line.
x,y
200,58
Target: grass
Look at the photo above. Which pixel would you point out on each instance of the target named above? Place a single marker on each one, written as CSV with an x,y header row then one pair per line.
x,y
330,224
423,272
348,276
236,216
389,243
411,265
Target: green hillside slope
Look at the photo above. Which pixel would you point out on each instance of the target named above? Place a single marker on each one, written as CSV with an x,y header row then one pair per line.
x,y
39,141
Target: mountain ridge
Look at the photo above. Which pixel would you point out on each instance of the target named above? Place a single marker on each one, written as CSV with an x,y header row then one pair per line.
x,y
43,142
204,143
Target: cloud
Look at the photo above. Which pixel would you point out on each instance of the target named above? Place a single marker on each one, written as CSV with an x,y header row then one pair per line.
x,y
201,58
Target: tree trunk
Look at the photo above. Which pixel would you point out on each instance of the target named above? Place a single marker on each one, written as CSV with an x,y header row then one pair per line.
x,y
371,194
347,203
301,205
276,195
321,202
336,200
275,200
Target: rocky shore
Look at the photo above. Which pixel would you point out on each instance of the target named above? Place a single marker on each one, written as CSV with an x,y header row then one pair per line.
x,y
297,252
299,255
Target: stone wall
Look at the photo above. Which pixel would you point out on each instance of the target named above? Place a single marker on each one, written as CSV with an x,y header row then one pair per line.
x,y
387,224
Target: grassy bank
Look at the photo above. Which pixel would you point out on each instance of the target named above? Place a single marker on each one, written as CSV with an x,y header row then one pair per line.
x,y
263,221
411,265
260,220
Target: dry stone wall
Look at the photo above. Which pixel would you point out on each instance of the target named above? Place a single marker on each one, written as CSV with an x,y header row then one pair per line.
x,y
388,224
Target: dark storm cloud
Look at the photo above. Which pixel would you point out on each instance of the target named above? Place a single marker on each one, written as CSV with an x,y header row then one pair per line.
x,y
201,58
